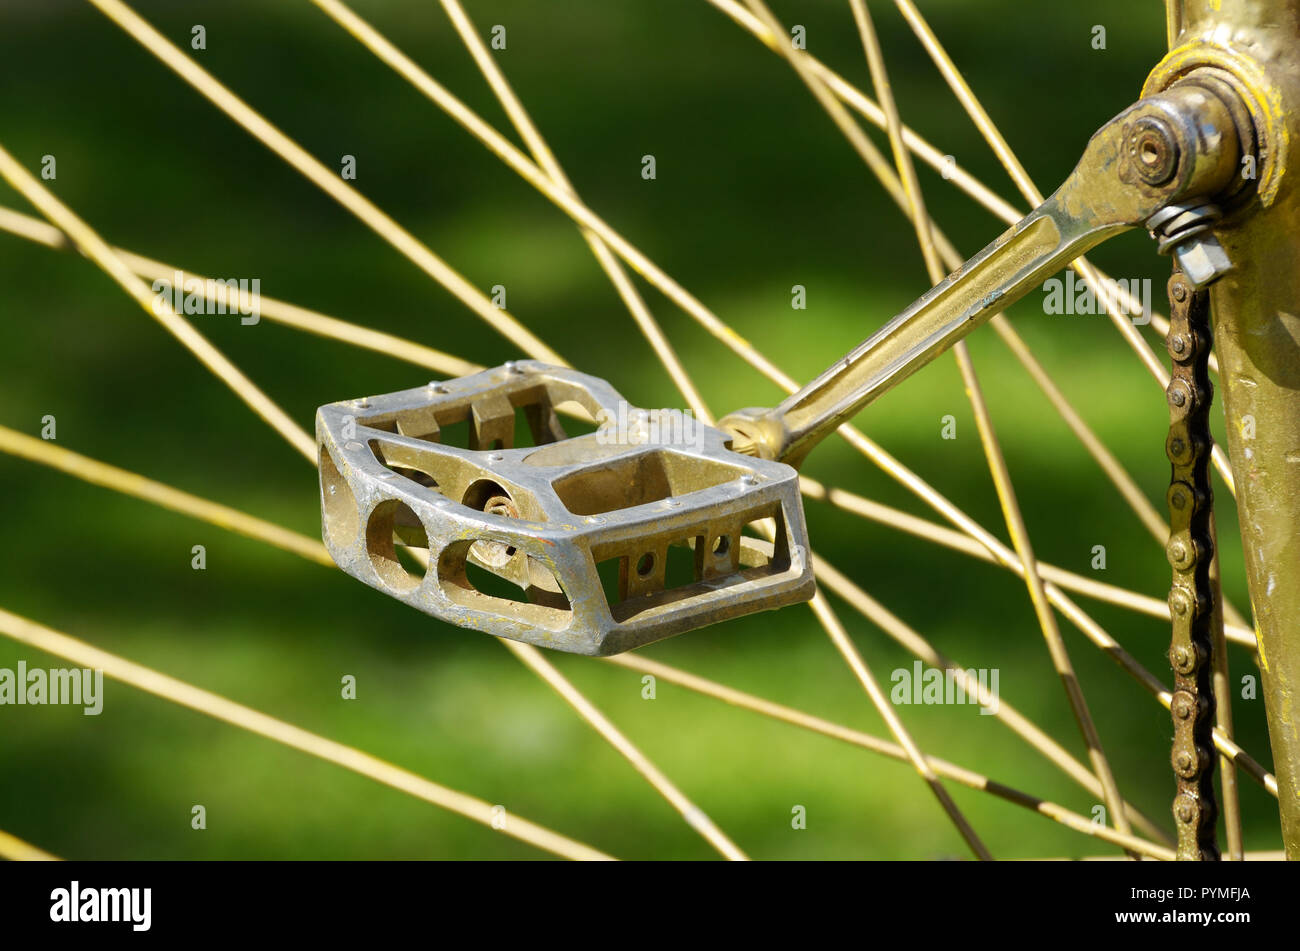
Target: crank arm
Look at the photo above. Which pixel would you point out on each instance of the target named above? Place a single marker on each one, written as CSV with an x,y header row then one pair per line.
x,y
1159,154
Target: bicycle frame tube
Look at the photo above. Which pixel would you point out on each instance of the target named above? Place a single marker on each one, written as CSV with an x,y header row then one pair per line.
x,y
1257,336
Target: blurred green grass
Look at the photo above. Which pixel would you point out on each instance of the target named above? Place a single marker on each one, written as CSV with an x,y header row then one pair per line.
x,y
755,192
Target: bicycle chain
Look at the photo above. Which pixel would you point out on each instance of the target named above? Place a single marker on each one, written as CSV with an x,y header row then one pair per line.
x,y
1190,552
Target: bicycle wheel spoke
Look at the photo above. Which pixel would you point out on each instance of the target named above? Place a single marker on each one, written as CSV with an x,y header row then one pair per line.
x,y
94,247
871,111
99,473
499,146
958,541
329,182
1223,707
277,311
883,747
1072,611
14,849
546,159
918,646
844,644
695,817
219,708
1114,471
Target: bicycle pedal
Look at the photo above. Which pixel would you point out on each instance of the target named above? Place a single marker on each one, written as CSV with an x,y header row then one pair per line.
x,y
593,544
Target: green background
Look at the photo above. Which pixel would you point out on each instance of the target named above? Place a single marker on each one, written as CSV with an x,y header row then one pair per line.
x,y
756,192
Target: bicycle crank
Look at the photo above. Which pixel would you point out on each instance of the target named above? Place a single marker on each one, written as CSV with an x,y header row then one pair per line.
x,y
1160,163
593,544
626,500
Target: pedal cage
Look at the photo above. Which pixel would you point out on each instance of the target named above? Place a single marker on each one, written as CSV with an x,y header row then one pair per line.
x,y
653,503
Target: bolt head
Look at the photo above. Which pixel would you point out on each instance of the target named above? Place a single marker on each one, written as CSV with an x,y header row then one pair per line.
x,y
1153,150
1203,260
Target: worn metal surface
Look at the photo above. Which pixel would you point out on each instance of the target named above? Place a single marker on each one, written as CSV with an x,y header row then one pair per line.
x,y
644,488
1191,555
1255,46
1177,145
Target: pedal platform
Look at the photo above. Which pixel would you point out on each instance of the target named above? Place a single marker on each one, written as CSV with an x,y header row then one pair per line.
x,y
594,544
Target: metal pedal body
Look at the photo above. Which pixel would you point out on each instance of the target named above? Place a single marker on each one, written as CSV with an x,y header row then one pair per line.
x,y
593,544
